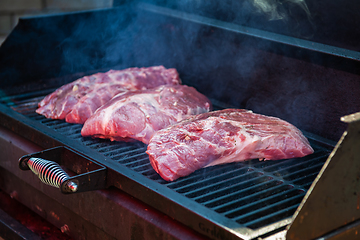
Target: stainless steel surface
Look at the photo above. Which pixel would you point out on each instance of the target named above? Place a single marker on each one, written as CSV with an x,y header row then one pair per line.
x,y
72,186
333,199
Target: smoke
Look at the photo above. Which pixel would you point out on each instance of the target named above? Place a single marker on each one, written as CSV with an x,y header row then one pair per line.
x,y
279,9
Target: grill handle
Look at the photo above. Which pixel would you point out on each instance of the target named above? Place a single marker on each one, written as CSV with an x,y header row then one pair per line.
x,y
47,165
50,173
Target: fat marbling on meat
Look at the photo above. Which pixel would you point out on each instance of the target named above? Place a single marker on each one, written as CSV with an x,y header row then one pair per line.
x,y
138,114
77,101
223,136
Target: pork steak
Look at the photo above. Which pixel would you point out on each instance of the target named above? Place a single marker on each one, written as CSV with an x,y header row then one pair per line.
x,y
138,114
77,101
224,136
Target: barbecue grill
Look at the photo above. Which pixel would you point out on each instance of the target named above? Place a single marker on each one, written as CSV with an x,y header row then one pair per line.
x,y
111,189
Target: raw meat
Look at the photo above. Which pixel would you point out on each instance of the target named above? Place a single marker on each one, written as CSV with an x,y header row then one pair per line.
x,y
77,101
224,136
138,114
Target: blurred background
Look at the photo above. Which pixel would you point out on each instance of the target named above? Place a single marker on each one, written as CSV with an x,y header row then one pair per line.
x,y
12,10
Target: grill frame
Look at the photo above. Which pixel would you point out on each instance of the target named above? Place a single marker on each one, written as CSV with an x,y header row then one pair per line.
x,y
344,63
133,176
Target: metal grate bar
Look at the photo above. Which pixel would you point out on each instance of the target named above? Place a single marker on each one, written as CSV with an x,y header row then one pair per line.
x,y
304,181
234,204
95,143
273,217
216,182
240,182
303,173
245,213
129,156
293,169
144,161
141,169
217,200
203,174
67,127
110,148
118,153
284,165
51,122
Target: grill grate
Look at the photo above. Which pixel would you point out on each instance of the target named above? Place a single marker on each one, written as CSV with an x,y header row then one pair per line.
x,y
253,193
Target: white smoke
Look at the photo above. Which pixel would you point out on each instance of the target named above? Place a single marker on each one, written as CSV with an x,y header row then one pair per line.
x,y
276,9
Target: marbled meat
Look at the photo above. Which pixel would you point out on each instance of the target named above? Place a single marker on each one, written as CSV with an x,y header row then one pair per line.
x,y
224,136
138,114
77,101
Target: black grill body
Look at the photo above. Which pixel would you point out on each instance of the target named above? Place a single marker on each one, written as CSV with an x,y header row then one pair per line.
x,y
234,65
